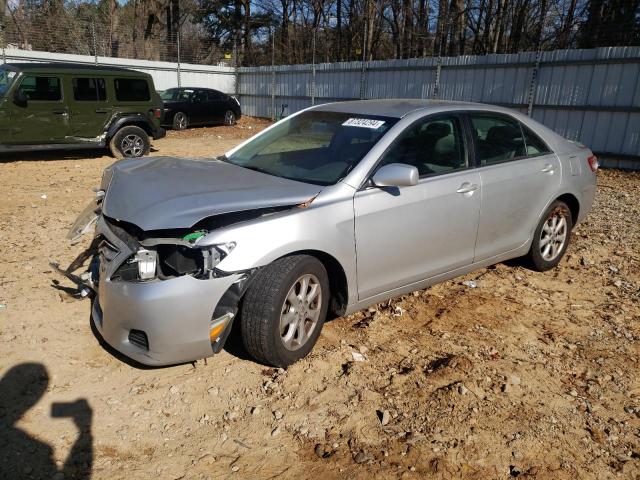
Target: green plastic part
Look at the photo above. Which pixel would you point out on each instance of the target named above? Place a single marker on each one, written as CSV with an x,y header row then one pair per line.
x,y
193,236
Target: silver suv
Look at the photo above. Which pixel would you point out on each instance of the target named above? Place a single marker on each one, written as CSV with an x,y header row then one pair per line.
x,y
332,209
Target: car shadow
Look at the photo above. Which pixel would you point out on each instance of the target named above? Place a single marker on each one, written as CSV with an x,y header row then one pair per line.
x,y
22,456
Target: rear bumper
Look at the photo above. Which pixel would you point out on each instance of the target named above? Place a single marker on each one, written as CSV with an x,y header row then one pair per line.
x,y
174,314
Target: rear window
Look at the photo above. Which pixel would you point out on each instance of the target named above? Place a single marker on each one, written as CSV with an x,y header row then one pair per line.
x,y
535,145
89,89
498,139
132,90
41,88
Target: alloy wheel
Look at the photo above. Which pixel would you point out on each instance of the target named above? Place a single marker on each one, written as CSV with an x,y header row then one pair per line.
x,y
181,121
132,146
553,237
300,312
229,118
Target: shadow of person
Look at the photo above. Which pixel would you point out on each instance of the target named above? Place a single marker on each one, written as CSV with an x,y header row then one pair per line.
x,y
23,456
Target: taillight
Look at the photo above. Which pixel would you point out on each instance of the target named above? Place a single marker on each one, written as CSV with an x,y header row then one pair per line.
x,y
593,163
157,112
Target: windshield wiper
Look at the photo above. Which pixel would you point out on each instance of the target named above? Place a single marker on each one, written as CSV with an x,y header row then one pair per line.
x,y
258,169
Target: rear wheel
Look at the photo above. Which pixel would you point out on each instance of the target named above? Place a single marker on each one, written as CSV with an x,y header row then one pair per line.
x,y
551,237
180,121
284,309
130,142
229,118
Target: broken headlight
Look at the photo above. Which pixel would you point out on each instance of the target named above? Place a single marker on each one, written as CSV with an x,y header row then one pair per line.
x,y
173,260
146,261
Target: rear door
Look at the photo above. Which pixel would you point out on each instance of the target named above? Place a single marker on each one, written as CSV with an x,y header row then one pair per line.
x,y
217,105
201,107
89,107
520,176
44,118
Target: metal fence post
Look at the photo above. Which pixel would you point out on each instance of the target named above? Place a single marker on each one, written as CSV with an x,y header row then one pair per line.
x,y
436,85
94,42
534,83
178,69
363,70
236,70
4,53
273,74
313,69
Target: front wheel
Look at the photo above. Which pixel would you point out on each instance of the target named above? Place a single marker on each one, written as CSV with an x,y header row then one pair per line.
x,y
130,142
229,118
180,121
551,237
284,309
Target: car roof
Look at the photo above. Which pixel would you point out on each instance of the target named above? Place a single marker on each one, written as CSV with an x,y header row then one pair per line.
x,y
195,88
61,67
398,108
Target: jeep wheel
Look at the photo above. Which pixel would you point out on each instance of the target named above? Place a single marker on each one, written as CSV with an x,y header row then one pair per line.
x,y
229,118
284,309
180,121
130,142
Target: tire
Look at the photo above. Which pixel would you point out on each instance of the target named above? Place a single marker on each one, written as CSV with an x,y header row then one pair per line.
x,y
269,298
229,118
180,121
551,238
130,142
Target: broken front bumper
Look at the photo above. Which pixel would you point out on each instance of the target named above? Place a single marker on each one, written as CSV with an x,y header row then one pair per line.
x,y
174,316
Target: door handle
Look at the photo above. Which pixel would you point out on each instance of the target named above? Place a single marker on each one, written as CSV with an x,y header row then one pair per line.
x,y
102,110
548,168
467,187
60,112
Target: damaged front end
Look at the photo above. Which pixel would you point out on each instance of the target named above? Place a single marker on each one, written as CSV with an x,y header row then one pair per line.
x,y
157,296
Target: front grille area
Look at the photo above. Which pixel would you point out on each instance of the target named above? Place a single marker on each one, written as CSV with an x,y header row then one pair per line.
x,y
139,338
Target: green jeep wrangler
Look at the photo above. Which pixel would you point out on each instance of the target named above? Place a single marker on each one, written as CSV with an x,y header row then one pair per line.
x,y
57,105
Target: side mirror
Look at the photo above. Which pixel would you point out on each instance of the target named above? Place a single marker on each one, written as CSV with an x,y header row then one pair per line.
x,y
396,175
19,98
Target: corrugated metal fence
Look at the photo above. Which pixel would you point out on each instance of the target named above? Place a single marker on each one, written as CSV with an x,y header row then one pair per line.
x,y
587,95
165,74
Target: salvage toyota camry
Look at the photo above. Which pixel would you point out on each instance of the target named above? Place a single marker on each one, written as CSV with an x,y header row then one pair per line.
x,y
328,211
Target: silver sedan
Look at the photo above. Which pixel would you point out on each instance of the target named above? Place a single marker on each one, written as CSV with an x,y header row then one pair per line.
x,y
326,212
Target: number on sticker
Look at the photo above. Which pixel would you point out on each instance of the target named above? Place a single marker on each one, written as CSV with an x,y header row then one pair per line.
x,y
363,123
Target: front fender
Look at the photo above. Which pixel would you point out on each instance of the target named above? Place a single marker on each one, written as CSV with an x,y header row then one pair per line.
x,y
327,228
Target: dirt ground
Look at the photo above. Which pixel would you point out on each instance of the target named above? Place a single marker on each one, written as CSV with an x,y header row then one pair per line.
x,y
502,373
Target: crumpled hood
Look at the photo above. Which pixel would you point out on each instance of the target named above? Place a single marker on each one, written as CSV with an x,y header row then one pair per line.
x,y
157,193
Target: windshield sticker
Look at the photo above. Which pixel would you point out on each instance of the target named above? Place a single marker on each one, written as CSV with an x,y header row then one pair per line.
x,y
363,123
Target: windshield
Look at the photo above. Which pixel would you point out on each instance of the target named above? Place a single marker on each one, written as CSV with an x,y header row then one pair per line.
x,y
176,94
6,79
315,147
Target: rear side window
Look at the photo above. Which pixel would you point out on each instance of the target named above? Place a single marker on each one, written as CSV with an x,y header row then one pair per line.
x,y
200,96
535,145
39,88
132,90
498,139
89,89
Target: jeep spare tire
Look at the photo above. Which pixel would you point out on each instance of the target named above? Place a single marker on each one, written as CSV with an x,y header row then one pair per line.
x,y
130,142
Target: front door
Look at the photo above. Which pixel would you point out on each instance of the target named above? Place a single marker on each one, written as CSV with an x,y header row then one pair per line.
x,y
408,234
44,117
520,176
89,109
